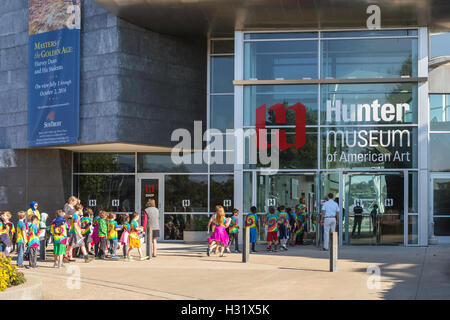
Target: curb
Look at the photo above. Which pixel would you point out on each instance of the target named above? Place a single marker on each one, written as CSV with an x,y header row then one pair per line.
x,y
30,290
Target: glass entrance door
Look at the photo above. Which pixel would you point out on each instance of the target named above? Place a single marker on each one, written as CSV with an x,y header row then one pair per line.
x,y
150,187
373,208
441,207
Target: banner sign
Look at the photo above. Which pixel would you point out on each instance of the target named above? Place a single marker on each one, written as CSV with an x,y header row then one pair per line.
x,y
53,72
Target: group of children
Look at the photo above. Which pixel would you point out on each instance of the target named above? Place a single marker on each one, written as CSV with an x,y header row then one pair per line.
x,y
85,230
25,233
285,225
282,226
79,232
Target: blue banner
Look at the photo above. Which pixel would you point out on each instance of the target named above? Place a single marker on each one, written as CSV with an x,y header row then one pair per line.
x,y
54,78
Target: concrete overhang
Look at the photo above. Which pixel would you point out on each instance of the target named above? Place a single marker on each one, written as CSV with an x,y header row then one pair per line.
x,y
119,147
223,17
113,147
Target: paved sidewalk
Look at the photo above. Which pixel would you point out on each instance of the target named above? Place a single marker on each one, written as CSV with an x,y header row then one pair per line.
x,y
185,272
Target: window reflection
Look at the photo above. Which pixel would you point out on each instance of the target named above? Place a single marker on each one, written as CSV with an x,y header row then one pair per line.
x,y
369,58
288,95
342,96
176,224
222,74
439,151
346,147
222,112
222,192
440,112
113,193
272,60
179,188
104,162
291,158
162,162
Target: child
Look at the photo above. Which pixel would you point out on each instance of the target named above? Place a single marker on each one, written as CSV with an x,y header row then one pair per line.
x,y
33,211
212,225
251,222
133,238
4,236
233,231
58,230
76,238
95,237
112,235
293,223
272,223
11,229
21,238
85,224
33,240
102,234
301,222
283,221
125,234
220,236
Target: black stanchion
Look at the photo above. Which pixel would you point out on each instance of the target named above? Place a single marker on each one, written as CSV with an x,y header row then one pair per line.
x,y
246,244
333,251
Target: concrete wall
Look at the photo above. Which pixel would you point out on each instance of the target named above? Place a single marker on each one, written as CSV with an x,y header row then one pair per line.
x,y
137,86
438,79
34,175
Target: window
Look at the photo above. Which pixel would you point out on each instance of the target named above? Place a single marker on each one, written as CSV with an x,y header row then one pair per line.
x,y
390,103
222,74
113,193
193,188
439,151
439,44
440,112
104,162
304,157
222,192
288,95
368,58
222,112
162,162
373,147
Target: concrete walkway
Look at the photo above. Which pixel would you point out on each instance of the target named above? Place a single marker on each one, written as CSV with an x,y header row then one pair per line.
x,y
185,272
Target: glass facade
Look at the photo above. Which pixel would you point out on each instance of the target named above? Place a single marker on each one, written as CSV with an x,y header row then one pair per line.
x,y
349,124
361,138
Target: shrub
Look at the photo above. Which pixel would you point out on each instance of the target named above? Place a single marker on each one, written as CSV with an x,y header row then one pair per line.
x,y
9,275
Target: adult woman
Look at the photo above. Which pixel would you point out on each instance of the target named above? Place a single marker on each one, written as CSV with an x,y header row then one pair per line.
x,y
153,222
69,207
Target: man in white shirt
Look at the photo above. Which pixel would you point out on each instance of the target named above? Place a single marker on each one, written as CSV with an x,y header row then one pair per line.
x,y
329,219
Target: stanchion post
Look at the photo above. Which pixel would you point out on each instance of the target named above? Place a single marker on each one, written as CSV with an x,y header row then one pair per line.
x,y
246,244
333,251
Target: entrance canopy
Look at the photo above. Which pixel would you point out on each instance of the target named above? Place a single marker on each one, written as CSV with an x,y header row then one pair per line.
x,y
221,18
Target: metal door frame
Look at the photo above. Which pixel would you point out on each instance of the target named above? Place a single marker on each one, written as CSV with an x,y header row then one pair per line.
x,y
342,191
